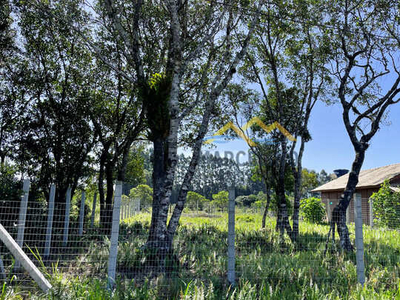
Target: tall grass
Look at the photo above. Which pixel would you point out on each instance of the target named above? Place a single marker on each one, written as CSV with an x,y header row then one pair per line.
x,y
266,267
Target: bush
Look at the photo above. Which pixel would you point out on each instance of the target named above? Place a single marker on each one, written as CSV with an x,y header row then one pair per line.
x,y
386,207
246,201
312,210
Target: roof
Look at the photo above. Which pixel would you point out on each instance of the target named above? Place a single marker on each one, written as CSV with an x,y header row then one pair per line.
x,y
367,179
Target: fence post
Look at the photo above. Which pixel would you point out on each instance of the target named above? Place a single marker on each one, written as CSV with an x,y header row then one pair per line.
x,y
50,215
112,259
359,239
22,218
67,212
231,237
20,256
82,213
93,210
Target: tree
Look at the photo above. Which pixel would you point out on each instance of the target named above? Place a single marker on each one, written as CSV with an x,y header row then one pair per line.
x,y
287,60
364,49
10,187
192,41
196,201
221,199
11,101
309,181
144,193
386,206
53,136
135,168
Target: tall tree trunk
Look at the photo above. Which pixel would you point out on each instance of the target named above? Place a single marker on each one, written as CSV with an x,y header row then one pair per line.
x,y
107,213
339,212
100,184
297,172
282,223
158,228
264,218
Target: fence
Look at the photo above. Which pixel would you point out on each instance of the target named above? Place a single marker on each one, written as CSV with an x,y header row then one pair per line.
x,y
214,249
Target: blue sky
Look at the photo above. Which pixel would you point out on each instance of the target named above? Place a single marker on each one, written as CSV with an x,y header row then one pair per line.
x,y
330,147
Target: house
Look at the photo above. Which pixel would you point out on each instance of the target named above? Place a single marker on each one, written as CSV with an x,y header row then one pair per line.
x,y
369,182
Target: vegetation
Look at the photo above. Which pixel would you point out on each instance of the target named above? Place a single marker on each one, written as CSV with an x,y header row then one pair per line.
x,y
386,205
266,268
87,87
144,193
312,210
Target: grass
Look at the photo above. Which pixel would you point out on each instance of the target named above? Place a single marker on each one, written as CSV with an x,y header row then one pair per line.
x,y
266,268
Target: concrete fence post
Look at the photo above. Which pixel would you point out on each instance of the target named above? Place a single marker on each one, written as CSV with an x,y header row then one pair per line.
x,y
93,210
82,213
50,215
231,237
359,239
22,218
20,256
112,259
66,219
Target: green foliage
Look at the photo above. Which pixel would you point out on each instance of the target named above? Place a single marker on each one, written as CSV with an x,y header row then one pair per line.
x,y
386,206
309,181
312,210
246,201
10,188
221,199
135,169
196,201
155,95
144,193
274,204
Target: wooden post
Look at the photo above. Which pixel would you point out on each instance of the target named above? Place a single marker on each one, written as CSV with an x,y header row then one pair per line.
x,y
112,259
20,256
93,210
82,213
348,214
66,220
359,239
231,237
22,218
50,215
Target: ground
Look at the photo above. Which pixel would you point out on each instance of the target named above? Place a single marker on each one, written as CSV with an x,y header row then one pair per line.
x,y
266,268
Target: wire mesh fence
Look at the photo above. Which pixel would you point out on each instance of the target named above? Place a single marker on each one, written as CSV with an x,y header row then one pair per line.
x,y
213,248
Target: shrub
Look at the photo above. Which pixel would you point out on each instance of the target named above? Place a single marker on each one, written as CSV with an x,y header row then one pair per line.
x,y
312,210
221,199
386,206
246,201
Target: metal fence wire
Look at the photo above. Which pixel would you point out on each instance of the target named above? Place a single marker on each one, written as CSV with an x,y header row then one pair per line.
x,y
217,247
